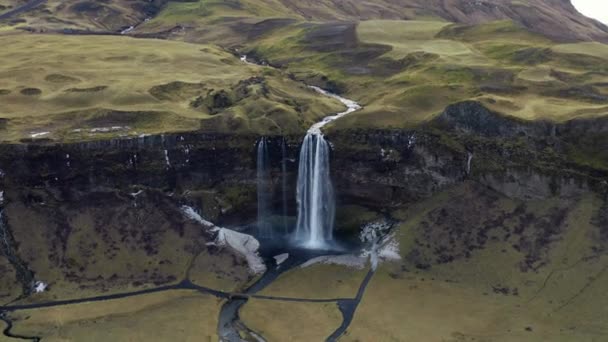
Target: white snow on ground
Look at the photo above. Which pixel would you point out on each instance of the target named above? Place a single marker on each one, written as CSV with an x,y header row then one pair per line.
x,y
389,249
243,244
38,135
127,30
40,287
135,194
373,230
351,106
382,247
109,129
193,215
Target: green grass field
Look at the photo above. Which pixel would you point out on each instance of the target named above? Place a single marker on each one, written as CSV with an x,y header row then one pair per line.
x,y
80,88
280,321
519,285
177,315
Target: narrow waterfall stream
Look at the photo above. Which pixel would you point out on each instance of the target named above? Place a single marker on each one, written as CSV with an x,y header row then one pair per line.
x,y
263,190
284,182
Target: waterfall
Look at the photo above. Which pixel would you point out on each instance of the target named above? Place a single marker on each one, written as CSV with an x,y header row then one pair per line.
x,y
263,189
284,182
316,202
315,193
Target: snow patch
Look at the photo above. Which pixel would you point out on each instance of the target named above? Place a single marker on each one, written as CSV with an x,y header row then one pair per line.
x,y
40,287
382,245
109,129
127,30
39,134
135,194
245,245
389,249
193,215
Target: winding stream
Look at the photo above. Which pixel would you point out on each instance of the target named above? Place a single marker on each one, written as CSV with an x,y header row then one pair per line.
x,y
9,327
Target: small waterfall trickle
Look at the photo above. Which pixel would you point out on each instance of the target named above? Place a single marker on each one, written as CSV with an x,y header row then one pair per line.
x,y
316,202
284,183
263,189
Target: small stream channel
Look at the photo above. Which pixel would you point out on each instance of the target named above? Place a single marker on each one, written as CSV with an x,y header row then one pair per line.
x,y
232,329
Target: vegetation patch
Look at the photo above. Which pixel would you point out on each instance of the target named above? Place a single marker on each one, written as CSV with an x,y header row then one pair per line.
x,y
87,90
30,91
176,91
163,79
146,317
58,78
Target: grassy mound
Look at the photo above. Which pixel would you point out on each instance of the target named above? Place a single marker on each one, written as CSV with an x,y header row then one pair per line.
x,y
69,85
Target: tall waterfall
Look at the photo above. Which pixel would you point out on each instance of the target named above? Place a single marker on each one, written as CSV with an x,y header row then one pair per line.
x,y
316,200
263,189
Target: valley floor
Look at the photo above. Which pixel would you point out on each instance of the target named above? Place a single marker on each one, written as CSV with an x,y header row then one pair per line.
x,y
539,275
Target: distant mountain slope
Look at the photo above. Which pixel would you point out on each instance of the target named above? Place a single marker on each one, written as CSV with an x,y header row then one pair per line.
x,y
556,19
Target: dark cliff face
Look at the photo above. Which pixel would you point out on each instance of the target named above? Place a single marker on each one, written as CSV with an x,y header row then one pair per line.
x,y
70,208
374,168
70,211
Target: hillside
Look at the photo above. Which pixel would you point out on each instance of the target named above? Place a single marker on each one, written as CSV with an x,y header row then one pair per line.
x,y
557,19
160,179
404,72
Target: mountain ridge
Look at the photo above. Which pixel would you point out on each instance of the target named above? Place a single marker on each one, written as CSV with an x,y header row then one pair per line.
x,y
556,19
